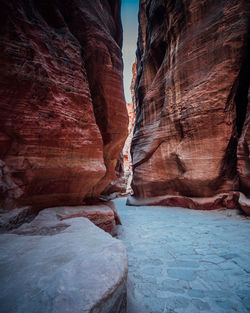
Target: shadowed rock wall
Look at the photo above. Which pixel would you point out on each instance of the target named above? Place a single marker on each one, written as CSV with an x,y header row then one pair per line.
x,y
63,119
191,133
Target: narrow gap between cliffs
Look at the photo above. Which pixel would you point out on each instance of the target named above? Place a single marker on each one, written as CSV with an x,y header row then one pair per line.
x,y
129,16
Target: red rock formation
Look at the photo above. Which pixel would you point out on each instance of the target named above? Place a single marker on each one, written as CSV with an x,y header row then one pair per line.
x,y
192,79
229,201
243,152
122,185
63,119
132,86
103,215
117,187
244,141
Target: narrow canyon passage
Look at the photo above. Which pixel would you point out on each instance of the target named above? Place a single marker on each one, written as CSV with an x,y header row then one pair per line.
x,y
101,99
185,260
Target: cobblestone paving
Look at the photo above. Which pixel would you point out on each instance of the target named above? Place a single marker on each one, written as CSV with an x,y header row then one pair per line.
x,y
186,261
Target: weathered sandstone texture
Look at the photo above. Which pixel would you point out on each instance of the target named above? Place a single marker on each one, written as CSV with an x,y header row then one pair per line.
x,y
62,266
244,203
128,170
243,151
192,135
226,200
103,215
117,187
63,119
122,185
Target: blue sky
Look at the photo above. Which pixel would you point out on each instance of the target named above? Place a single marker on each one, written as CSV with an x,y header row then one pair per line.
x,y
129,13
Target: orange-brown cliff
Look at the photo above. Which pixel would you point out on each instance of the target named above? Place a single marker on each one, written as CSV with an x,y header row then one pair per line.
x,y
63,119
191,137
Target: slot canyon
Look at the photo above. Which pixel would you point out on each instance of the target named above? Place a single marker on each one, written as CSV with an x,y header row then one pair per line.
x,y
124,188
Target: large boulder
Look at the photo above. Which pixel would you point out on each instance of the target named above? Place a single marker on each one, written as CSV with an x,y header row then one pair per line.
x,y
62,266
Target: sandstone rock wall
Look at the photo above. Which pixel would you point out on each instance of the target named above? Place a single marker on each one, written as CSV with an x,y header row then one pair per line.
x,y
192,123
63,119
117,187
122,185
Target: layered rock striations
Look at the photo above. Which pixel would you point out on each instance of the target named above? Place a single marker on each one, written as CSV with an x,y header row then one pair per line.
x,y
191,135
118,186
127,146
63,119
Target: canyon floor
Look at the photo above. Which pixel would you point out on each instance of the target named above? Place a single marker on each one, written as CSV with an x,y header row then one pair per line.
x,y
185,260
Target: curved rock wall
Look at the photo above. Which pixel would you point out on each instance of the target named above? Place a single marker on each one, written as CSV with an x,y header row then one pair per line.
x,y
63,119
191,99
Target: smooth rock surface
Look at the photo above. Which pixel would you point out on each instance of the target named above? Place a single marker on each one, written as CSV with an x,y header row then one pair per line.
x,y
117,187
102,214
61,267
244,203
186,261
191,96
63,119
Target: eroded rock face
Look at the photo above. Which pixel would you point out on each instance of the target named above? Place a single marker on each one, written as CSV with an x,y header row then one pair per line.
x,y
190,94
117,187
122,185
62,266
244,204
102,214
63,119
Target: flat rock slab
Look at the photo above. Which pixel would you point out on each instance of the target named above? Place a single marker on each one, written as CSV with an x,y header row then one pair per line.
x,y
103,215
186,261
66,266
